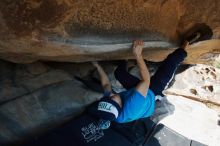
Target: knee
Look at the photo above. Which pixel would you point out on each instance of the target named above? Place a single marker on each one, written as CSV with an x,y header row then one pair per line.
x,y
118,72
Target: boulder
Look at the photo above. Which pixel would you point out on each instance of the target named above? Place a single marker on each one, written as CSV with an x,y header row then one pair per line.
x,y
35,97
86,30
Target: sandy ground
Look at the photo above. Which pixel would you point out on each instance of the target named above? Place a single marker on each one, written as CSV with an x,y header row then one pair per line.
x,y
199,81
194,120
191,118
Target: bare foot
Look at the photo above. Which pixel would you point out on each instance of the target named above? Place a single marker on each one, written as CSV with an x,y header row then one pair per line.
x,y
138,47
185,45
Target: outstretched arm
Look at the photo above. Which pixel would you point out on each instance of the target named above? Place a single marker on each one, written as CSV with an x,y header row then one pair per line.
x,y
143,86
104,78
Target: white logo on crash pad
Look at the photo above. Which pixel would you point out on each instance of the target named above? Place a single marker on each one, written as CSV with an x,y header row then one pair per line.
x,y
92,132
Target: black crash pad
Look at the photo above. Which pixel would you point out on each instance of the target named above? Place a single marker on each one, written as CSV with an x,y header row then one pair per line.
x,y
164,136
82,131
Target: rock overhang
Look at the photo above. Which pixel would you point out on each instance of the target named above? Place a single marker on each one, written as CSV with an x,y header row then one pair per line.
x,y
79,31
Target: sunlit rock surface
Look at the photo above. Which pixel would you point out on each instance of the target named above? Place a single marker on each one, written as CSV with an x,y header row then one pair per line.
x,y
85,30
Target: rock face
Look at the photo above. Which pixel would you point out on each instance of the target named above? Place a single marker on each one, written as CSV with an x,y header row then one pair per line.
x,y
35,97
85,30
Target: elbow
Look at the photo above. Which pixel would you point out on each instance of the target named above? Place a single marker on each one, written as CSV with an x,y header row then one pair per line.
x,y
107,87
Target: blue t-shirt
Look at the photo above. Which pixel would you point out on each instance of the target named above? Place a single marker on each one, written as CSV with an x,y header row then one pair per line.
x,y
135,105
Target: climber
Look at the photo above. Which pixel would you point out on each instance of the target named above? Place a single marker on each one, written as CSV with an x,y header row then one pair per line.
x,y
138,101
143,93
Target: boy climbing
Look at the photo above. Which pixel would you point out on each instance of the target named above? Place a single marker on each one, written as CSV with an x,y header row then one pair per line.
x,y
144,91
138,101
